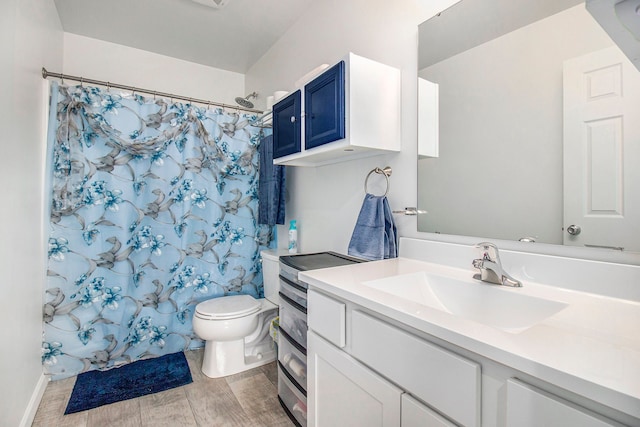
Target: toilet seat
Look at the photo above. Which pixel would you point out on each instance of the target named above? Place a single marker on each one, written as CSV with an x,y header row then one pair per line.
x,y
229,307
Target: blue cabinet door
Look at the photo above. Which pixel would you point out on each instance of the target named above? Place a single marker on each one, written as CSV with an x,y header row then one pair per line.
x,y
286,125
324,107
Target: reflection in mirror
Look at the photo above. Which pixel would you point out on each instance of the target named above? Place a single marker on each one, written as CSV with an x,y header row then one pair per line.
x,y
535,134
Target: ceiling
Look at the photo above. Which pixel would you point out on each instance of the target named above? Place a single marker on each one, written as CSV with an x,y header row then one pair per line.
x,y
232,38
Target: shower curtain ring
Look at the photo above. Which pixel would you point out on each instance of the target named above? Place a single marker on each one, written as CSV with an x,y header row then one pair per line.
x,y
108,86
81,81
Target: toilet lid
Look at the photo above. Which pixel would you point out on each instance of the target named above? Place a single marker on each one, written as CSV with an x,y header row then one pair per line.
x,y
228,307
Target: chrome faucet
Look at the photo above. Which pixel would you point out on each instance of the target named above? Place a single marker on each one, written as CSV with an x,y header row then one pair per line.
x,y
491,268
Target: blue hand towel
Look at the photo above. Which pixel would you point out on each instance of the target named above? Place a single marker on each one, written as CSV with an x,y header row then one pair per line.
x,y
375,235
390,230
271,186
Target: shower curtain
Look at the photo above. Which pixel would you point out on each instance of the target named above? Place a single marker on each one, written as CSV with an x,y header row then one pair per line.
x,y
153,209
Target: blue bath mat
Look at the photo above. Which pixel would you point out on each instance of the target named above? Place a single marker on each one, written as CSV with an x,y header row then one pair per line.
x,y
97,388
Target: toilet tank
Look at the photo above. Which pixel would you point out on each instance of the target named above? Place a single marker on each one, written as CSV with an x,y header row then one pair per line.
x,y
270,273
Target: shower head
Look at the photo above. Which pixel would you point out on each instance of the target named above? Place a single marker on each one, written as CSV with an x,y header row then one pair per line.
x,y
244,102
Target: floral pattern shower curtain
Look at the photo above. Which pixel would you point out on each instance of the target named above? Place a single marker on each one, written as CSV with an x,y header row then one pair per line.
x,y
153,209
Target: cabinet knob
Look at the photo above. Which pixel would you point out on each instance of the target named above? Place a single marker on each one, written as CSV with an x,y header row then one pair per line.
x,y
293,119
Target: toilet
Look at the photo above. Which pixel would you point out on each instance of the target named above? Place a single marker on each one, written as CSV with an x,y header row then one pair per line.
x,y
236,328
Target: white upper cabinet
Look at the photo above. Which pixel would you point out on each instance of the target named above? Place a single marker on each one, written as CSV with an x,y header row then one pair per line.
x,y
351,110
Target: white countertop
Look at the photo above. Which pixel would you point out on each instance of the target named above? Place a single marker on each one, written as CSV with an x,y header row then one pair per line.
x,y
592,347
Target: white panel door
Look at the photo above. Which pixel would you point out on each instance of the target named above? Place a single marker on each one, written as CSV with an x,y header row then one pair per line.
x,y
415,414
602,151
342,392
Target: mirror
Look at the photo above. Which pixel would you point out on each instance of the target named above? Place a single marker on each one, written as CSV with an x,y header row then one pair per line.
x,y
513,159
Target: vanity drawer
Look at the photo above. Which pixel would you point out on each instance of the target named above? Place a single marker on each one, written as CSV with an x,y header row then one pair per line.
x,y
294,291
293,319
327,318
293,400
444,380
293,358
528,406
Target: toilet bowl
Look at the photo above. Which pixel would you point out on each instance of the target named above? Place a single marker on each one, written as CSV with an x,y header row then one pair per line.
x,y
236,328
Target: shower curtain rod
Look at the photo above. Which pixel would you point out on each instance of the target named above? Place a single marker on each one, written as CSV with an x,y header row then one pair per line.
x,y
46,74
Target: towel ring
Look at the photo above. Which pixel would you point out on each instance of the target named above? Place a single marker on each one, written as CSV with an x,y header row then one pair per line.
x,y
386,172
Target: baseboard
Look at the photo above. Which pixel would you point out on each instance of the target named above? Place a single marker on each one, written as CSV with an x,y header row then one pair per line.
x,y
34,402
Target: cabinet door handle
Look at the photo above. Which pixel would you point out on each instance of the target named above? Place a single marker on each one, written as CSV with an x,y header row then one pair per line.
x,y
293,119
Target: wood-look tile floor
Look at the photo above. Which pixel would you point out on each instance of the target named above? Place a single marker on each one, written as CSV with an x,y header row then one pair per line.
x,y
245,399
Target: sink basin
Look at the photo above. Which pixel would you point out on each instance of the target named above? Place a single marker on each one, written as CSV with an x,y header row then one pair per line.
x,y
491,305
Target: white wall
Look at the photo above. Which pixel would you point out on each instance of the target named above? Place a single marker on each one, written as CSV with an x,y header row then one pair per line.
x,y
31,38
100,60
326,200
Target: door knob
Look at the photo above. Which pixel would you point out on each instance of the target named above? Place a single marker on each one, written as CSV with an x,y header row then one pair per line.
x,y
574,230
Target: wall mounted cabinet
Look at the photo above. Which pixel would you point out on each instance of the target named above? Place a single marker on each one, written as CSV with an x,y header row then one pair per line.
x,y
286,125
324,108
428,119
351,110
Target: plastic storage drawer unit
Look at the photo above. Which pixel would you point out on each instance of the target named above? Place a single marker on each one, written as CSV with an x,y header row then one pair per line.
x,y
293,319
294,291
291,398
293,358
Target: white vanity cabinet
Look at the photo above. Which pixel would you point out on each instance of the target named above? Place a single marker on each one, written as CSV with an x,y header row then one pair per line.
x,y
444,380
376,376
343,392
368,370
